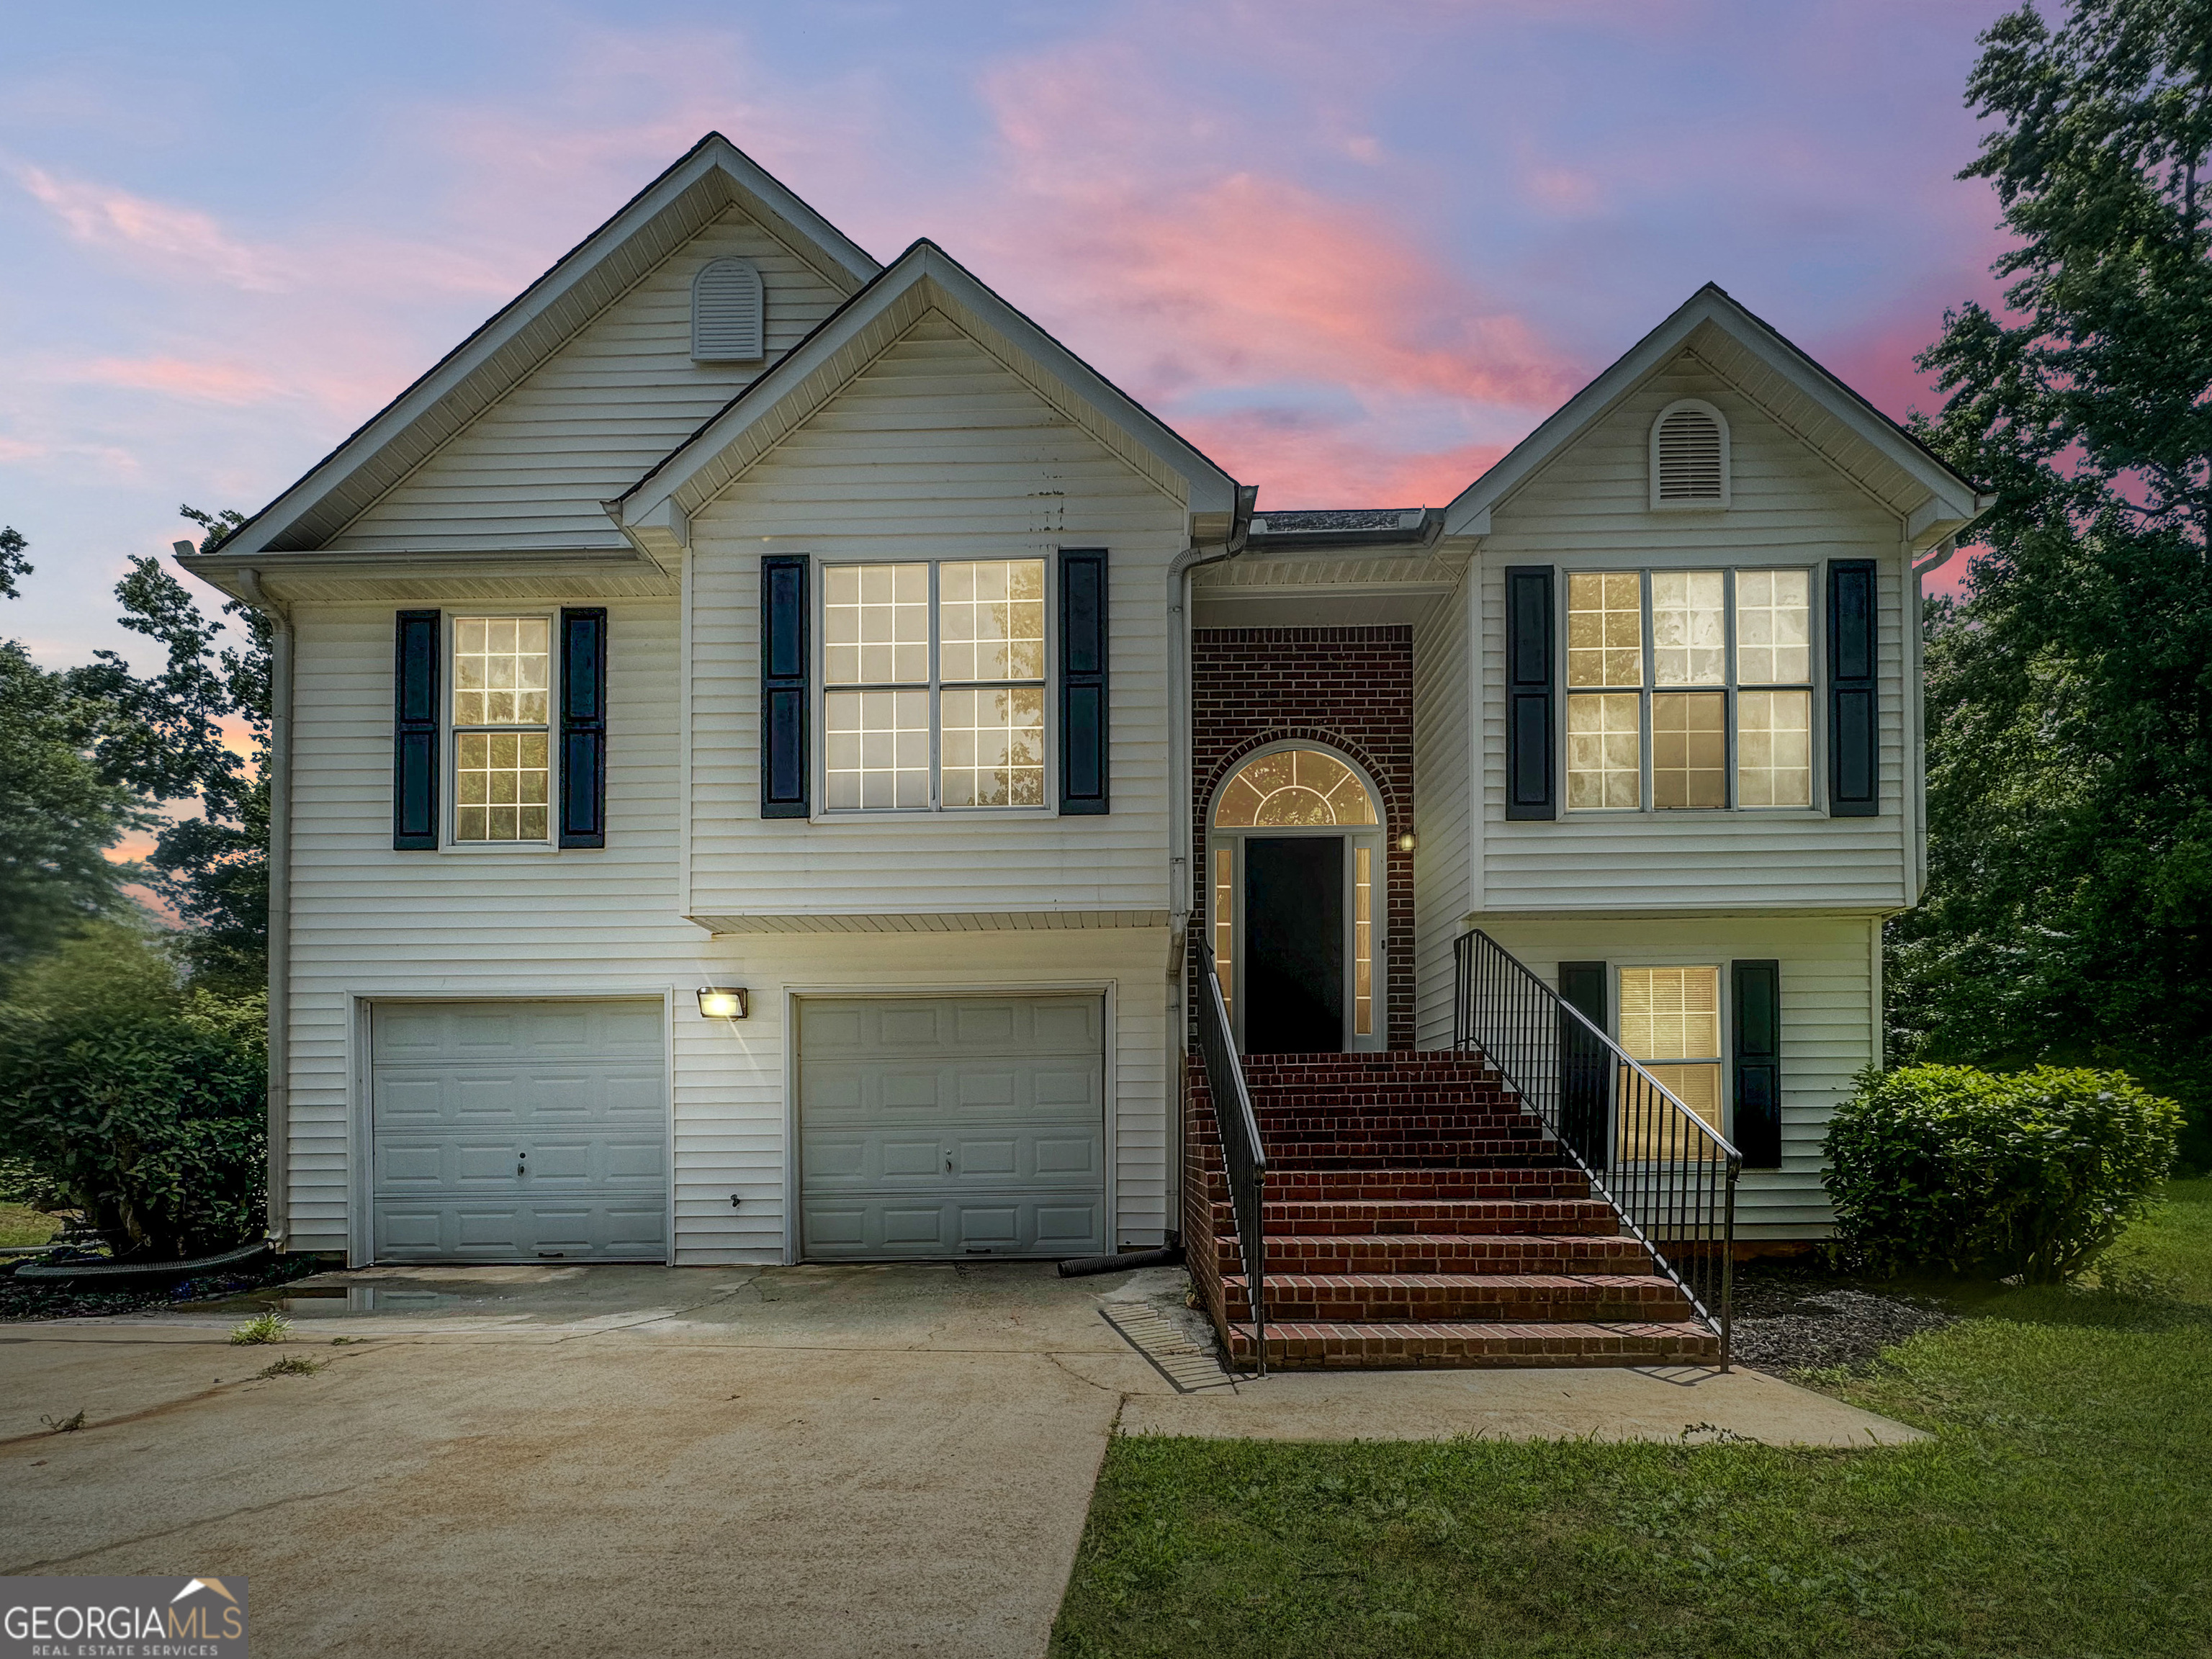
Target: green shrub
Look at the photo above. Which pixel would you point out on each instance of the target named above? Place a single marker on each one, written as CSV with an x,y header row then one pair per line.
x,y
139,1101
1958,1170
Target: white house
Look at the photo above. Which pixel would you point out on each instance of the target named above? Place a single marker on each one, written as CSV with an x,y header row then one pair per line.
x,y
734,611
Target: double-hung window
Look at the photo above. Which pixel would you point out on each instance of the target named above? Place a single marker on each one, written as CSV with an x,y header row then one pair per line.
x,y
934,678
1689,688
502,706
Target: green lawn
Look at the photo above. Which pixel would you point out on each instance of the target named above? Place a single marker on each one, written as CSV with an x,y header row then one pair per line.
x,y
19,1225
2061,1510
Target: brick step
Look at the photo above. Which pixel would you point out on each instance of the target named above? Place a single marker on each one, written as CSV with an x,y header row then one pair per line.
x,y
1444,1252
1310,1186
1415,1096
1348,1154
1432,1062
1482,1215
1319,1346
1512,1134
1388,1298
1306,1122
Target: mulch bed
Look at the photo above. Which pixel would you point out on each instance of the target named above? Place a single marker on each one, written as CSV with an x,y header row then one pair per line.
x,y
19,1301
1794,1315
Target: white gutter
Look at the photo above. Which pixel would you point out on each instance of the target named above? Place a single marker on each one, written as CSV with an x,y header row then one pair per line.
x,y
280,894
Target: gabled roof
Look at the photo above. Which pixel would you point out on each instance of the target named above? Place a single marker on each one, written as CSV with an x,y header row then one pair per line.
x,y
713,176
1874,452
655,510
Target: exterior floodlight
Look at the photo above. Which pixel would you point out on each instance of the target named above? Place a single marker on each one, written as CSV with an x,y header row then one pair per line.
x,y
722,1002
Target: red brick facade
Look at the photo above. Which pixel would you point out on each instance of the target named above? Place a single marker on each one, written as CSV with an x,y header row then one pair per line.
x,y
1347,689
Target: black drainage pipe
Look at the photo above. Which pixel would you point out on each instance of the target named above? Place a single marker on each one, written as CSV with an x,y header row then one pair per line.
x,y
1128,1261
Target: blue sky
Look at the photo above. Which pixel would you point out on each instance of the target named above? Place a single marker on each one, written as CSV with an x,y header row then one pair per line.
x,y
1353,251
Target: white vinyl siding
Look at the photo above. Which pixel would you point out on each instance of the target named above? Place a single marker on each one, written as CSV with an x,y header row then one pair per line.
x,y
1443,728
1828,1030
583,427
1589,511
935,452
488,922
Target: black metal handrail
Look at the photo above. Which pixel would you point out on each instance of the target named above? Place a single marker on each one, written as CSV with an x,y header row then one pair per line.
x,y
1671,1174
1241,1155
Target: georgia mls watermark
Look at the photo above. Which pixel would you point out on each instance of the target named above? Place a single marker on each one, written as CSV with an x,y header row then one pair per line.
x,y
121,1618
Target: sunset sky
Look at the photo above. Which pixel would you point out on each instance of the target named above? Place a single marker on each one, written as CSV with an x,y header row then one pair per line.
x,y
1353,251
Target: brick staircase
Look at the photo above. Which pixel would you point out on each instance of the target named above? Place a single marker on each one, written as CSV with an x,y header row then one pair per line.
x,y
1417,1215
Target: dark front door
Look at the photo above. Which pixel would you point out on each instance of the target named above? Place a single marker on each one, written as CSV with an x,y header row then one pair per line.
x,y
1293,990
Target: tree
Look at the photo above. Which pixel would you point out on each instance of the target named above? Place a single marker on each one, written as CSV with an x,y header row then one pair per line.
x,y
60,810
2069,696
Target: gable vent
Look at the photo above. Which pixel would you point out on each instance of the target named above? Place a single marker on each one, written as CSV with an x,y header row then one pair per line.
x,y
725,312
1690,457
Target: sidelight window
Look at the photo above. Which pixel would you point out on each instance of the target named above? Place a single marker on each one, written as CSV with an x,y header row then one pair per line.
x,y
1689,688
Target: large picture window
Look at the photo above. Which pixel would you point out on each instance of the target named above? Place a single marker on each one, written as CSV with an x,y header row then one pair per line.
x,y
933,676
502,704
1689,690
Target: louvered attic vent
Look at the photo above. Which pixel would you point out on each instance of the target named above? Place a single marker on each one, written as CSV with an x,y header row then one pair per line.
x,y
1690,457
725,312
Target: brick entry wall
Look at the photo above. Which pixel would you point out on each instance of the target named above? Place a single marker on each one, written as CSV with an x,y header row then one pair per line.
x,y
1348,688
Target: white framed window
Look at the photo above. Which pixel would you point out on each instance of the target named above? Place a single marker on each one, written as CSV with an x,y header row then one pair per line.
x,y
1689,690
499,714
1670,1021
933,675
1689,457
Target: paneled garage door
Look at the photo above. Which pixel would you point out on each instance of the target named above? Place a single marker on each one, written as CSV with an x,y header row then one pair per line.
x,y
519,1132
952,1126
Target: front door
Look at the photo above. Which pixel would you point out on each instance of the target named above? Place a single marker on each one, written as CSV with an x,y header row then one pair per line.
x,y
1293,975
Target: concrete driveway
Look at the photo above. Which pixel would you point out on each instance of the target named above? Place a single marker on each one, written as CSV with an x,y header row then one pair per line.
x,y
586,1461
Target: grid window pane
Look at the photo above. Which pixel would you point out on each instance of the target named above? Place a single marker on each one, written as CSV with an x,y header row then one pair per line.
x,y
501,785
502,668
990,620
1689,748
1293,788
1689,627
875,624
1604,750
1671,1014
1773,627
1605,629
876,747
994,747
1774,749
1363,941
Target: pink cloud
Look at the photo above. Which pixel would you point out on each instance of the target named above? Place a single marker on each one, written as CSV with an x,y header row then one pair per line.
x,y
172,237
1305,466
232,384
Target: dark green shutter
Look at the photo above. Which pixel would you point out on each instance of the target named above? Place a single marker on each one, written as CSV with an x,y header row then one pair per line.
x,y
418,648
1755,993
1529,721
584,727
1585,1067
784,694
1083,723
1854,744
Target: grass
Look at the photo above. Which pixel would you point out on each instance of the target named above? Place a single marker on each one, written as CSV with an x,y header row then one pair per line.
x,y
21,1225
262,1328
292,1364
2058,1511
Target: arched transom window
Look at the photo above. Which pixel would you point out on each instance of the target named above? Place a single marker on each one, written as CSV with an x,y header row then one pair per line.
x,y
1294,788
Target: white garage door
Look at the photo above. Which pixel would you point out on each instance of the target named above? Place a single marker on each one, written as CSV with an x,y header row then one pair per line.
x,y
519,1132
933,1126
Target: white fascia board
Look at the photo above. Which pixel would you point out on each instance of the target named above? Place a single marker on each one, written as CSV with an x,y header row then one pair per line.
x,y
935,280
1952,496
759,193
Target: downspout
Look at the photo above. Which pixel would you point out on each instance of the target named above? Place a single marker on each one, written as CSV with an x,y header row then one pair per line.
x,y
1916,734
1181,879
280,897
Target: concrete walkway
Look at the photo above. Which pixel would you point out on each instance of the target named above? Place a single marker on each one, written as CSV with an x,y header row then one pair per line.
x,y
802,1461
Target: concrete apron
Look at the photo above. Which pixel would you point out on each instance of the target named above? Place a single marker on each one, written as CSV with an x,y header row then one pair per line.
x,y
802,1461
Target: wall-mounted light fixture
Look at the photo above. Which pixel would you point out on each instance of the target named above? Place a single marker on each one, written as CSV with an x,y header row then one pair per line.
x,y
1407,842
722,1002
